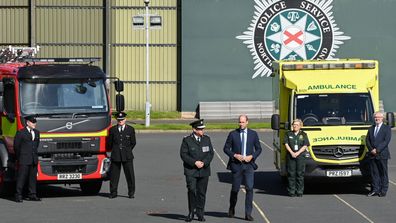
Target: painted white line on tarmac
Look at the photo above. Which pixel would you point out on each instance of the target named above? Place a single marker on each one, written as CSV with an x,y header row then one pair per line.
x,y
266,145
392,182
244,191
353,208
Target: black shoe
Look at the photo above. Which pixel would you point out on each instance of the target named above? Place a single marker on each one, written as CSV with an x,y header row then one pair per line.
x,y
373,193
292,195
18,199
33,198
189,217
382,194
231,212
131,196
201,218
299,195
111,196
249,218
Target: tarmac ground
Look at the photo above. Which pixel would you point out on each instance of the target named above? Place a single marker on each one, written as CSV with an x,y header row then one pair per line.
x,y
161,194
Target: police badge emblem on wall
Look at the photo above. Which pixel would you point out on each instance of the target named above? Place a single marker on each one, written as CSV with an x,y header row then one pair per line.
x,y
291,30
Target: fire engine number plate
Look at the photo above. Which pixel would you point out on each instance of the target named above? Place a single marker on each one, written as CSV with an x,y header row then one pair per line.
x,y
339,173
69,176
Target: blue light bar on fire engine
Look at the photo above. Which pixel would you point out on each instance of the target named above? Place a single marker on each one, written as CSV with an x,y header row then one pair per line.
x,y
63,60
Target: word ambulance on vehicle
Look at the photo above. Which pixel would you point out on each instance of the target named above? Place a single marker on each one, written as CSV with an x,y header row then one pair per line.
x,y
336,101
72,108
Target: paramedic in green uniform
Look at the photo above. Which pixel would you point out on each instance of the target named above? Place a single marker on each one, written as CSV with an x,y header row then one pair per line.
x,y
296,143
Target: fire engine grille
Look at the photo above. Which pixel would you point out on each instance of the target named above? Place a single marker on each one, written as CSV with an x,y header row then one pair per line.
x,y
69,145
337,152
70,156
69,169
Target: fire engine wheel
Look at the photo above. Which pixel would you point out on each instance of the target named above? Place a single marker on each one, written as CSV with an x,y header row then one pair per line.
x,y
91,188
6,188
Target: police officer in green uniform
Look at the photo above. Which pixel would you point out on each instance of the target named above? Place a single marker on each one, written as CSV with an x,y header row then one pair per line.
x,y
296,142
196,151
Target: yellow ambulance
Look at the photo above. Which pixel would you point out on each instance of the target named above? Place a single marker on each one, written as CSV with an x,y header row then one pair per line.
x,y
336,100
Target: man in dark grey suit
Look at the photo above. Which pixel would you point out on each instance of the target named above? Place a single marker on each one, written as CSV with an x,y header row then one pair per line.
x,y
377,141
26,142
242,147
121,141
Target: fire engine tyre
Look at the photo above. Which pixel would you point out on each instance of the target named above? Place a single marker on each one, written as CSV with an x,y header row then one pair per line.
x,y
6,188
91,188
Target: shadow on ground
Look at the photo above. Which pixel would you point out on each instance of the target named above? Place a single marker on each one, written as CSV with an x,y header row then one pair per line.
x,y
269,182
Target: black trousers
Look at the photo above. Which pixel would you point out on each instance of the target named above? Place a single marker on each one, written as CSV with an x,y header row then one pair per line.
x,y
197,187
115,170
26,172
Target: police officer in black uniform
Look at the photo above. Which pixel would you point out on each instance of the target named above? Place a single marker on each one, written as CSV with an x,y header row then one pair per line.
x,y
196,151
121,141
296,143
26,142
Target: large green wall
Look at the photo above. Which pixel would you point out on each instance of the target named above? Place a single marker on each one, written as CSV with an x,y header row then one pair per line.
x,y
215,66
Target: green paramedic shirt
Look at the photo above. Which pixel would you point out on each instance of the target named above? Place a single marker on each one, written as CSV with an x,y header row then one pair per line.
x,y
301,139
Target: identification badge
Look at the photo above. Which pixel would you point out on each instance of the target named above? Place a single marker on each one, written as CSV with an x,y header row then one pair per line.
x,y
295,147
205,149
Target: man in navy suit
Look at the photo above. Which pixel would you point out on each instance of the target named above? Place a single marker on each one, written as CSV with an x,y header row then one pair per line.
x,y
377,141
242,147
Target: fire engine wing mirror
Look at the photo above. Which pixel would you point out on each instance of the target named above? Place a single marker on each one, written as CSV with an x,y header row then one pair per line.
x,y
119,85
120,103
275,123
1,97
390,118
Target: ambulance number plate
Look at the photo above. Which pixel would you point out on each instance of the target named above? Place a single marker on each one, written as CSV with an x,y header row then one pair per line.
x,y
69,176
339,173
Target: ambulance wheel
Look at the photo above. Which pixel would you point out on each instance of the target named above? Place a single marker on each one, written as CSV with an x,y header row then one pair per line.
x,y
91,188
284,180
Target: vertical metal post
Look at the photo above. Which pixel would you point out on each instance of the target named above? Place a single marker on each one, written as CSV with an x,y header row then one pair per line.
x,y
32,23
106,37
148,105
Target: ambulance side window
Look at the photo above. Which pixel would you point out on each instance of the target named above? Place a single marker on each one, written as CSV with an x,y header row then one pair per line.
x,y
9,98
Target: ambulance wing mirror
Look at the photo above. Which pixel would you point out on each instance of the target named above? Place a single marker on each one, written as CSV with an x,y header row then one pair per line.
x,y
275,123
1,97
390,118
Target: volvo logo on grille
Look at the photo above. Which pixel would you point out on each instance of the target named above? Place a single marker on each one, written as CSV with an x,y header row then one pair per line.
x,y
338,152
69,125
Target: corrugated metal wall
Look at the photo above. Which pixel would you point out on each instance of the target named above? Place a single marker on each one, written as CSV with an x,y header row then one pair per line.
x,y
129,57
76,28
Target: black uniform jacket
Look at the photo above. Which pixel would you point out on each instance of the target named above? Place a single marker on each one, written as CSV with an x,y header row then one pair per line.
x,y
380,142
121,143
25,148
191,151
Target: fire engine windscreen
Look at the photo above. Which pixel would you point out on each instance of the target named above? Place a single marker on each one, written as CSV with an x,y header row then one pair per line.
x,y
334,109
60,96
